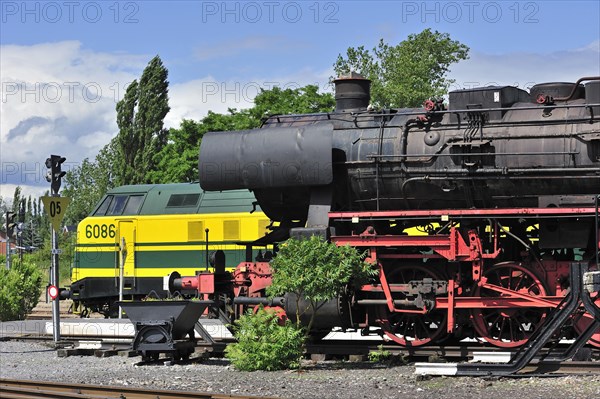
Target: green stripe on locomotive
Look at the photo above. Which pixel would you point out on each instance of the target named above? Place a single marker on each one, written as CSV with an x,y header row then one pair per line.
x,y
174,259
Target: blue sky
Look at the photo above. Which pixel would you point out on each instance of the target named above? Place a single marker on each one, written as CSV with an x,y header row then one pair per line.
x,y
64,64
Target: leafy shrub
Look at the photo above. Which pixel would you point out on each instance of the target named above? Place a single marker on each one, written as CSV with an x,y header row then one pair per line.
x,y
20,289
317,271
264,344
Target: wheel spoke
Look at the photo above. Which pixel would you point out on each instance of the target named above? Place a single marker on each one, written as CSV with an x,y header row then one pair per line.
x,y
498,278
501,330
511,331
425,328
521,323
519,282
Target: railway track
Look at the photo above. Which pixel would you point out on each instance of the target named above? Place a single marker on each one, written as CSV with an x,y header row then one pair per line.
x,y
43,310
26,389
587,362
570,368
342,347
101,347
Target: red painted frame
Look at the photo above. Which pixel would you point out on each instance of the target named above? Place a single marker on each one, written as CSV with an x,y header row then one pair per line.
x,y
508,212
452,247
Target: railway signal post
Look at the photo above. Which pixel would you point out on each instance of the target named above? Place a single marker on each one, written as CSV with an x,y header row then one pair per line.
x,y
55,207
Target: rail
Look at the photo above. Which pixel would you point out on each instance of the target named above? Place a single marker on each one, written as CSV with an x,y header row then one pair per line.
x,y
25,389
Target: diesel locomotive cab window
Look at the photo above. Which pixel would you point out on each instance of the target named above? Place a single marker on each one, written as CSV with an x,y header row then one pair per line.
x,y
133,205
120,205
104,206
117,205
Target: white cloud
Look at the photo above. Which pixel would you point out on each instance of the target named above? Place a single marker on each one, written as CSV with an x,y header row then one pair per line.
x,y
193,99
57,98
527,69
7,192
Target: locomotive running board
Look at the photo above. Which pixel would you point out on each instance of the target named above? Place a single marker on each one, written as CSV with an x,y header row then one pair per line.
x,y
537,341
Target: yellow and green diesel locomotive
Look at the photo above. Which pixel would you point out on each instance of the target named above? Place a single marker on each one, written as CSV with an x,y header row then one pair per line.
x,y
150,231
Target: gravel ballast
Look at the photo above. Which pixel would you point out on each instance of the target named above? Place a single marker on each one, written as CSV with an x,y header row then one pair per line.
x,y
330,379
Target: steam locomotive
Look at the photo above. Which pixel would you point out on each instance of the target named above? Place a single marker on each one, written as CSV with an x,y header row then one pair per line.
x,y
501,186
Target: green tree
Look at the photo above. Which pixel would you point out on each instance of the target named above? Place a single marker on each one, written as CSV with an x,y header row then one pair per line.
x,y
3,209
316,271
88,182
140,116
17,198
178,160
408,73
43,220
128,141
232,120
81,188
20,289
303,100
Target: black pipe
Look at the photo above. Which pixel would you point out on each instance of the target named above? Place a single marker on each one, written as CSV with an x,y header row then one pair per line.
x,y
401,303
501,171
473,153
597,244
575,346
423,111
575,87
594,311
404,139
244,300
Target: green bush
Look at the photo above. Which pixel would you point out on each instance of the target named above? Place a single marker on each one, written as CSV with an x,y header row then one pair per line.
x,y
264,344
316,270
20,289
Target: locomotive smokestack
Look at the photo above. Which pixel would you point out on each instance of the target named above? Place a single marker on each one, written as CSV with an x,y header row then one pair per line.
x,y
352,93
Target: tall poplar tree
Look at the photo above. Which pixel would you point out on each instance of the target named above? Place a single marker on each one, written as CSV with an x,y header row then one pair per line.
x,y
127,140
140,116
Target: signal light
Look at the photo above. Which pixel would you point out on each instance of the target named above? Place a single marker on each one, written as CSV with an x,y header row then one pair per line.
x,y
10,223
55,173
